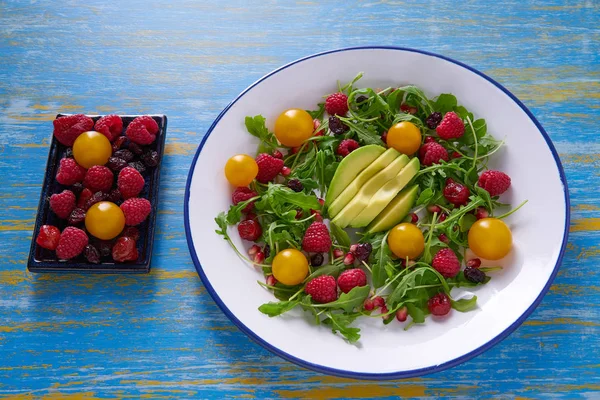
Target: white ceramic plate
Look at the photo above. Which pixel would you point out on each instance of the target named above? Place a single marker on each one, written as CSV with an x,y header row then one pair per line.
x,y
385,352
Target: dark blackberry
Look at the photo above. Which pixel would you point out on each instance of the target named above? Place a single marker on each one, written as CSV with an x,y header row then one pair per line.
x,y
76,188
361,98
139,166
316,260
123,154
150,158
91,254
363,251
267,250
295,185
116,164
474,275
135,148
77,216
337,126
434,120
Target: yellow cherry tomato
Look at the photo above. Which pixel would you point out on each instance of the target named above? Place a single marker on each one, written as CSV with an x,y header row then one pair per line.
x,y
490,238
104,220
241,170
293,127
290,267
406,240
91,148
404,137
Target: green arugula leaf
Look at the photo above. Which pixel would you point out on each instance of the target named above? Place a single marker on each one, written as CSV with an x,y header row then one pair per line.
x,y
317,114
340,235
464,305
365,133
466,221
425,197
330,269
416,313
382,257
340,323
444,103
256,126
273,309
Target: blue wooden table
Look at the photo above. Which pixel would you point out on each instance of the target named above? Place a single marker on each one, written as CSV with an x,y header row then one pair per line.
x,y
161,335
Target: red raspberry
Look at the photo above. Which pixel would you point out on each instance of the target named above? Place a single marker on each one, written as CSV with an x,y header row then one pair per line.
x,y
48,237
495,182
136,210
316,239
351,278
69,172
347,146
142,130
110,126
456,193
268,167
125,249
98,178
336,104
446,263
451,126
71,243
242,194
433,153
84,196
67,128
62,203
322,289
249,230
130,182
439,304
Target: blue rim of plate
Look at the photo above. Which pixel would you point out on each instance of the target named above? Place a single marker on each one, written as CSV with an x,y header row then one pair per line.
x,y
390,375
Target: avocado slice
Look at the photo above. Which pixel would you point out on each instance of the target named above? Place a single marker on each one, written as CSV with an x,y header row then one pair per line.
x,y
350,167
386,194
368,190
395,212
348,194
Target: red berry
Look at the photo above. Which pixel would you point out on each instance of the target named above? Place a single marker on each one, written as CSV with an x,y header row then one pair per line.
x,y
414,218
77,216
429,139
368,305
433,153
474,263
351,278
439,304
62,203
110,126
378,301
48,237
130,182
125,249
132,232
84,196
347,146
71,243
481,212
451,126
316,238
142,130
336,104
91,254
402,314
384,137
249,230
136,210
446,263
98,178
277,154
322,289
457,193
316,125
242,194
69,127
285,171
69,172
495,182
268,167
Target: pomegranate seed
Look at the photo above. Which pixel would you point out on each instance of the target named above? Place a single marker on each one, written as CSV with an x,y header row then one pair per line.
x,y
321,202
271,281
259,257
443,217
401,314
474,263
411,263
414,218
429,139
384,310
317,215
434,209
285,171
298,214
384,137
253,250
481,212
295,150
368,305
316,125
443,238
277,154
456,154
337,253
349,259
378,302
353,248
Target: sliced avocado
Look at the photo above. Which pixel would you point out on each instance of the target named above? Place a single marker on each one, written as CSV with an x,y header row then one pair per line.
x,y
395,212
386,194
348,194
350,167
368,190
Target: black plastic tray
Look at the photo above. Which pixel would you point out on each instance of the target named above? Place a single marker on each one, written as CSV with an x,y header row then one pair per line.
x,y
42,260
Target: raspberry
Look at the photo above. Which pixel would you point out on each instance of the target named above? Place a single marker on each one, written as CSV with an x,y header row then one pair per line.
x,y
130,182
446,263
268,167
242,194
336,104
96,198
249,230
322,289
451,127
316,260
439,304
433,120
337,126
150,158
98,178
142,130
474,275
77,216
456,193
91,254
495,182
363,251
67,128
48,237
62,203
71,243
124,154
429,139
124,249
84,196
351,278
69,172
110,126
132,232
136,210
433,153
316,238
295,185
347,146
